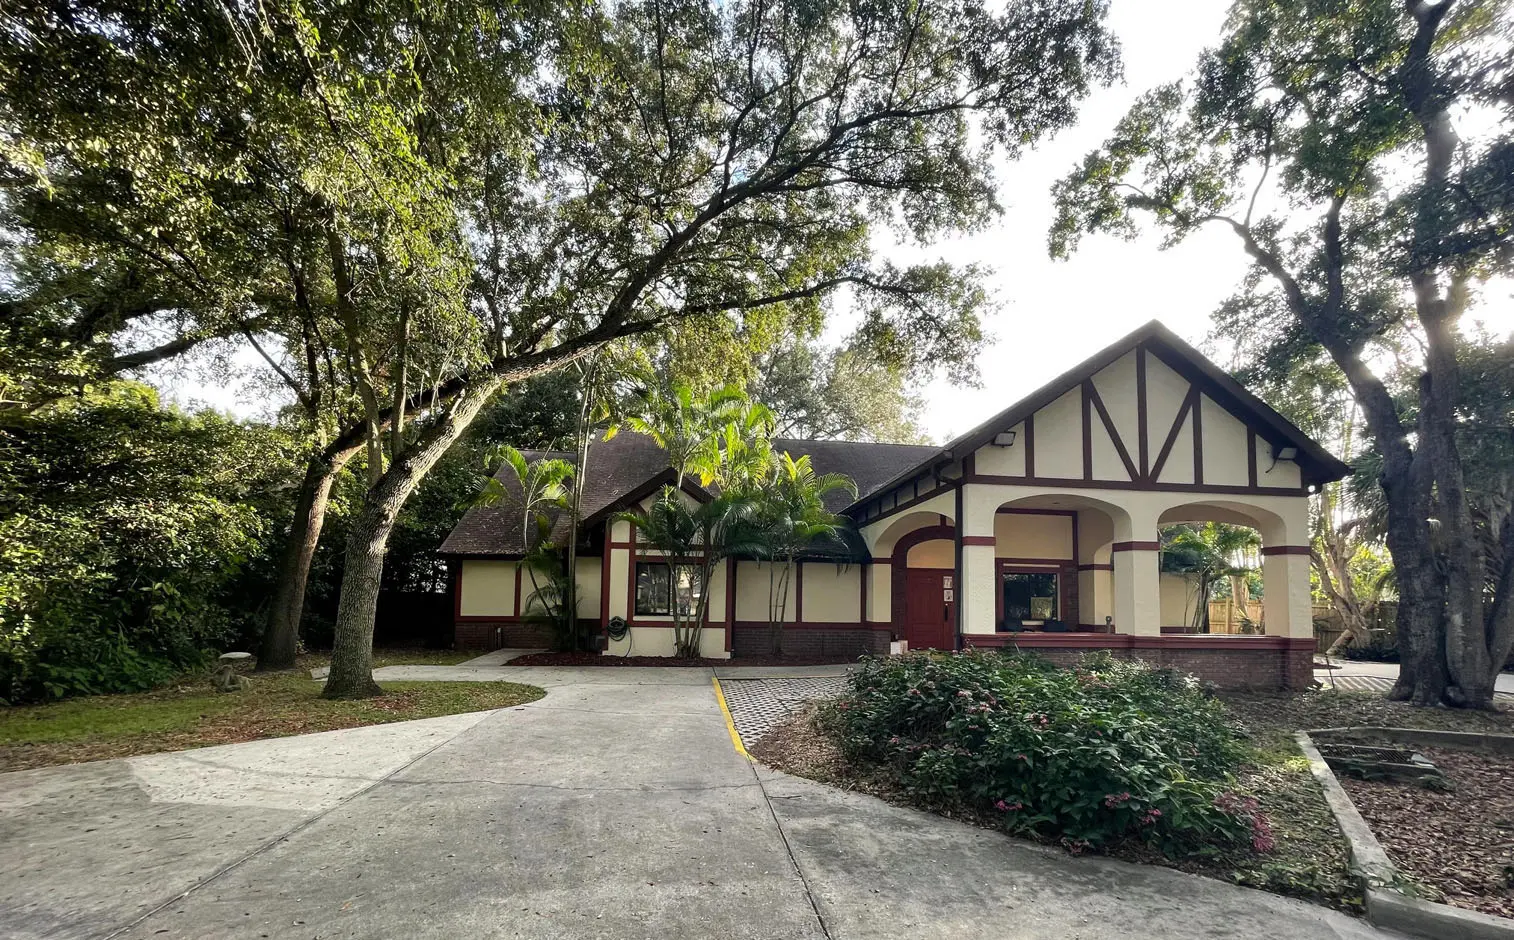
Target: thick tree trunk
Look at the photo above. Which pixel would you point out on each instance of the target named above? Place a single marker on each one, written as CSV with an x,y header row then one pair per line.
x,y
1333,565
352,648
281,635
1421,591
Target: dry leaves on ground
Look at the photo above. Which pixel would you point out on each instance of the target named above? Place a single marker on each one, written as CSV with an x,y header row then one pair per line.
x,y
1458,841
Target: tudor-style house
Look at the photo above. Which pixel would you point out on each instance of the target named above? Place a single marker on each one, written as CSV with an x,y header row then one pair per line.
x,y
1037,530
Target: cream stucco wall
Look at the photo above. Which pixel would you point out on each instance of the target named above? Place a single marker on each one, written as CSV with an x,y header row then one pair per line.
x,y
1059,437
752,590
1178,596
1022,535
488,589
658,641
880,535
1224,446
589,585
1116,385
832,594
995,460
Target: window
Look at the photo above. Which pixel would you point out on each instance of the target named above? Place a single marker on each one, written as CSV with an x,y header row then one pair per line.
x,y
1030,595
658,583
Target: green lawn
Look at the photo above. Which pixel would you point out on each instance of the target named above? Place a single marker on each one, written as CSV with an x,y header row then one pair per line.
x,y
398,656
192,714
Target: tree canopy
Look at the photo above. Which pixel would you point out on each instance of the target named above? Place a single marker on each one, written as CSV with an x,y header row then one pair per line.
x,y
1359,150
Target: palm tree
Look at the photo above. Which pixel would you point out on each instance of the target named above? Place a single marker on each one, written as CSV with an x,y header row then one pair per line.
x,y
790,519
1206,553
691,427
544,484
698,537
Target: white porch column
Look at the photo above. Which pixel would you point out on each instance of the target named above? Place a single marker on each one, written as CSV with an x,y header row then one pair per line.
x,y
1286,605
1137,594
975,541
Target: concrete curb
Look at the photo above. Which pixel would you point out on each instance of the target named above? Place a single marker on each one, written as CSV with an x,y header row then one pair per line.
x,y
1387,905
1464,740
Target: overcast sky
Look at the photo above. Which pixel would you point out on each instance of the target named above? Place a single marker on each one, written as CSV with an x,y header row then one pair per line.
x,y
1052,315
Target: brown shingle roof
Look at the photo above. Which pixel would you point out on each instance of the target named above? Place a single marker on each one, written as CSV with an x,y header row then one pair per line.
x,y
630,464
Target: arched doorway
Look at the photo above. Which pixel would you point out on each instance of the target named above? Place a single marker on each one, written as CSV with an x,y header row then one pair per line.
x,y
925,588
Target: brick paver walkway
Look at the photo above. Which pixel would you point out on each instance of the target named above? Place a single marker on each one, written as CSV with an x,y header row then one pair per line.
x,y
757,705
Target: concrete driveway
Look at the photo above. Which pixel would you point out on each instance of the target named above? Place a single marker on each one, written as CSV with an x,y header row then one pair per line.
x,y
616,807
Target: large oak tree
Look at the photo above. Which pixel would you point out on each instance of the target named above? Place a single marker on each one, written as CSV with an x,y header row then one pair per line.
x,y
1359,152
432,202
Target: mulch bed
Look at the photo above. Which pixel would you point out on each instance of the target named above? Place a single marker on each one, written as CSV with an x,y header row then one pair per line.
x,y
1459,842
597,659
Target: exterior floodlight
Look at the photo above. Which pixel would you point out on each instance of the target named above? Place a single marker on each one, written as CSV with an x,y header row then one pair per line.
x,y
1004,439
1287,453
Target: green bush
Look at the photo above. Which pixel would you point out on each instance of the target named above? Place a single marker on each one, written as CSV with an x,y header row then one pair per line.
x,y
132,539
1103,751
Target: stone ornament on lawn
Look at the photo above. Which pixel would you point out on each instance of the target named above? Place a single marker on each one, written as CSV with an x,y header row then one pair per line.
x,y
225,677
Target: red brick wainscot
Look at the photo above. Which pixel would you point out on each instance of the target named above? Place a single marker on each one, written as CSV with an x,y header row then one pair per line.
x,y
494,633
751,638
1230,662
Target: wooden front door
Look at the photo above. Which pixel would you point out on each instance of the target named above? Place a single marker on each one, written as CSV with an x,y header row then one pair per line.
x,y
930,608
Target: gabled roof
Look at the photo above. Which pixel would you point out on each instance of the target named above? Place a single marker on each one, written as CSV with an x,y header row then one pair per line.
x,y
629,467
1316,464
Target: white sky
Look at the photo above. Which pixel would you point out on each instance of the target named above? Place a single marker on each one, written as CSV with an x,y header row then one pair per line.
x,y
1052,315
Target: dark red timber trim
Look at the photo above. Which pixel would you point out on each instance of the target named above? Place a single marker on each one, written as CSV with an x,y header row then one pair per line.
x,y
1033,566
1141,419
945,487
958,608
1114,436
730,601
606,559
455,574
1198,437
1172,433
1030,451
799,591
1250,457
1285,550
862,573
1087,397
1075,483
1097,566
1136,547
518,611
1173,641
978,540
1021,511
631,576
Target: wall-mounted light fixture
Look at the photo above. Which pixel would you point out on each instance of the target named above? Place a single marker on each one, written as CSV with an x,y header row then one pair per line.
x,y
1004,439
1286,452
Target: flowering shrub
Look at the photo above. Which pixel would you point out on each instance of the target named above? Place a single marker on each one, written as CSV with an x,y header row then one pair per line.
x,y
1104,750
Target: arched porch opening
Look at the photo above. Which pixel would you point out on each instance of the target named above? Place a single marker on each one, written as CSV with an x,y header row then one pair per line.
x,y
1250,541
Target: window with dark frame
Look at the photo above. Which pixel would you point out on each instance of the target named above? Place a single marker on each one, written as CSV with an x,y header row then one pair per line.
x,y
659,583
1030,595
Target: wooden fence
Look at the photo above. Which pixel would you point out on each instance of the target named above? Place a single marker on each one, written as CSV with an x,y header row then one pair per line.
x,y
1382,623
1226,616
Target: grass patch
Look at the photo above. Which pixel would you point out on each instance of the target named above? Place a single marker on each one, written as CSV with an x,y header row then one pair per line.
x,y
396,656
192,714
